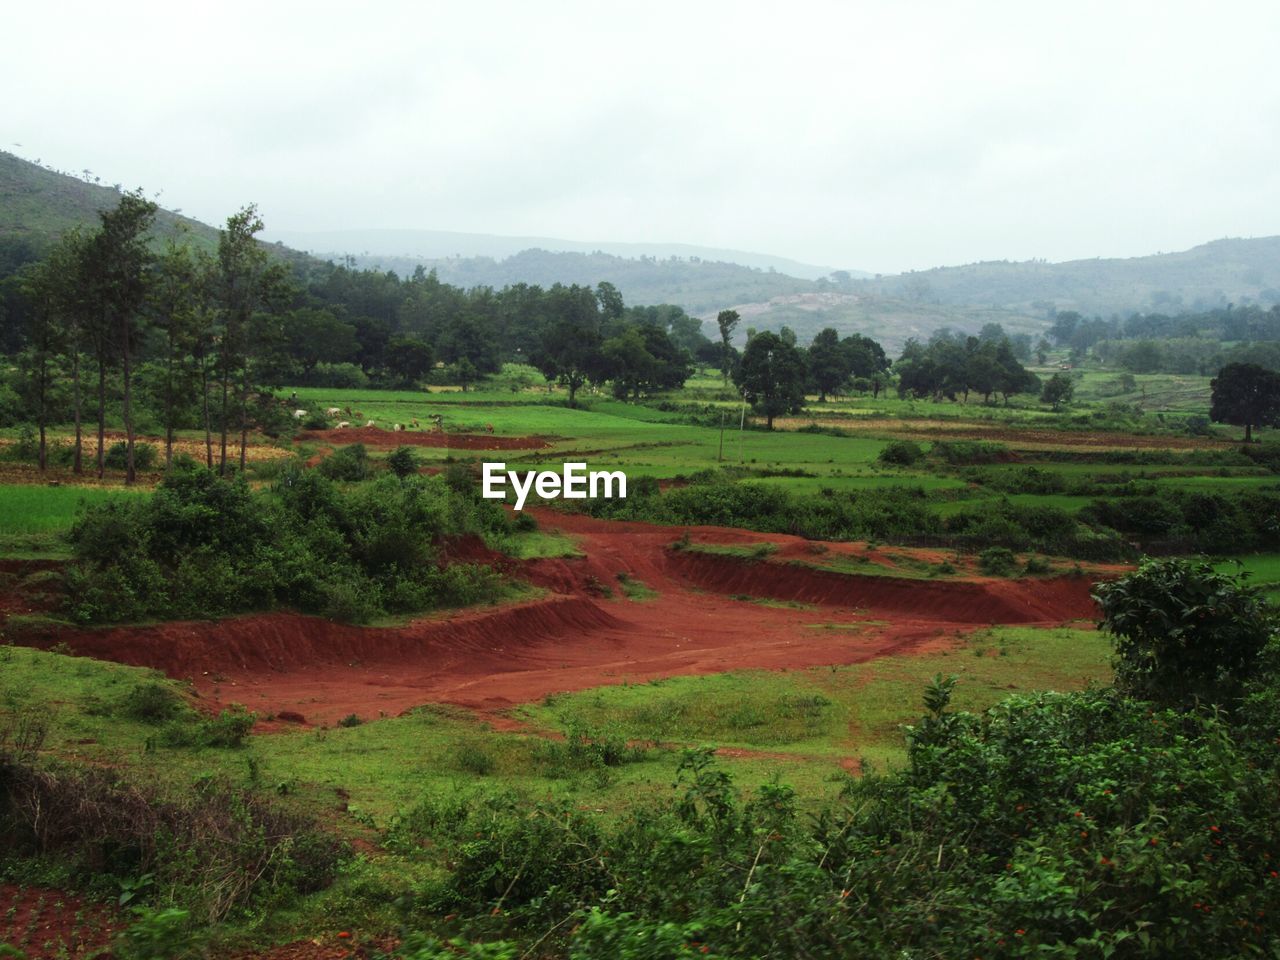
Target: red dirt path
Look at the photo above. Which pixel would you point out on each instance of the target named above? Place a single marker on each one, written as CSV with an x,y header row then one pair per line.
x,y
575,638
377,437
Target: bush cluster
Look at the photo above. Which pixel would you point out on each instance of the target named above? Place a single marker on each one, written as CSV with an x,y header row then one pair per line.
x,y
204,546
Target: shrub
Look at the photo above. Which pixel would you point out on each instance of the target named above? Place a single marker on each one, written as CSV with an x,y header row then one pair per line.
x,y
997,561
1184,633
402,462
153,702
230,727
348,463
902,453
961,452
1036,566
144,456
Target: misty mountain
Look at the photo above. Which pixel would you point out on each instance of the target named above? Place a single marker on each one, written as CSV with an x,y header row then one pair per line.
x,y
1211,275
441,244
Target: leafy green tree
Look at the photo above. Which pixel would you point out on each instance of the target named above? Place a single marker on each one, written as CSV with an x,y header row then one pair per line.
x,y
409,359
829,363
469,342
866,361
314,336
727,321
1058,390
1184,633
610,299
1245,395
568,350
771,376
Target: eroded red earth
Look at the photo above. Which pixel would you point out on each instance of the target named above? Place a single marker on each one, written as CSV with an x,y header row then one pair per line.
x,y
584,632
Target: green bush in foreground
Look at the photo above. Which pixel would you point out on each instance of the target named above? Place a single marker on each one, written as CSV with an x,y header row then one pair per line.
x,y
1074,825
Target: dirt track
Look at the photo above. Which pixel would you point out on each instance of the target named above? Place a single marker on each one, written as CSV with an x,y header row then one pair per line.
x,y
377,437
577,637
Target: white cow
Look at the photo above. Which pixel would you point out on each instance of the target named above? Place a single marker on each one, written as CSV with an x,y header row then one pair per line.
x,y
342,425
369,423
397,426
299,414
333,411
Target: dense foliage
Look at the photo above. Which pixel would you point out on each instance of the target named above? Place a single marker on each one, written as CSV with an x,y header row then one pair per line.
x,y
206,546
1054,825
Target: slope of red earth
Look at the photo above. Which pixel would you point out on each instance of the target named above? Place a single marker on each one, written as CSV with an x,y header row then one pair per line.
x,y
49,924
583,632
377,437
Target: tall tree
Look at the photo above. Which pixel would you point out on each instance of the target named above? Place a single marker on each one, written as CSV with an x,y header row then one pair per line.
x,y
38,362
568,350
771,376
1245,395
247,282
119,262
829,364
726,320
176,310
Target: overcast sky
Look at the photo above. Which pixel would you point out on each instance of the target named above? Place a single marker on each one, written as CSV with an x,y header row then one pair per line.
x,y
879,136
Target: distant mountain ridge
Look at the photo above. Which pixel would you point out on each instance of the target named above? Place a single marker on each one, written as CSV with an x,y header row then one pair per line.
x,y
445,244
1233,270
37,205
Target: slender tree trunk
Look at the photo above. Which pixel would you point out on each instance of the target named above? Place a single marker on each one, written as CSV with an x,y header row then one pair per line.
x,y
127,368
1248,433
204,403
244,413
168,403
42,457
76,465
102,416
222,460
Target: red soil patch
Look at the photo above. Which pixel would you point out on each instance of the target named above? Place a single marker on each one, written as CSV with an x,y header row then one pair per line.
x,y
377,437
47,924
585,633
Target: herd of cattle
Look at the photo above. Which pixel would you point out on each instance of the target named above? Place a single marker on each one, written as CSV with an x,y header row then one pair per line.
x,y
333,413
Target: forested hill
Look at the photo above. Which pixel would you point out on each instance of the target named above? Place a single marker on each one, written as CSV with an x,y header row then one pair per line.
x,y
439,244
700,286
38,205
1206,277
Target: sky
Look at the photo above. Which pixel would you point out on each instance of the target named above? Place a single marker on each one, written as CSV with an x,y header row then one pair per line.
x,y
865,135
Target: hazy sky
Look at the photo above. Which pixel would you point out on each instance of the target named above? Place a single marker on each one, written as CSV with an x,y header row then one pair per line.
x,y
880,136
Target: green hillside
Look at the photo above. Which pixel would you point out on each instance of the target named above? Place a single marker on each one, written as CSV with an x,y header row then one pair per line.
x,y
38,205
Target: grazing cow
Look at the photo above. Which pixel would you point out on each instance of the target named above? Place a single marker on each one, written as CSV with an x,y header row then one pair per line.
x,y
333,411
397,427
488,428
343,425
369,423
299,414
414,424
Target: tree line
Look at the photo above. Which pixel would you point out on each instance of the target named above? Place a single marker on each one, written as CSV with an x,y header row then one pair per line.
x,y
110,320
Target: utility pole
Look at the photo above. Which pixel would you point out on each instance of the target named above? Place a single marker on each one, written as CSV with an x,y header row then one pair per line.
x,y
742,420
